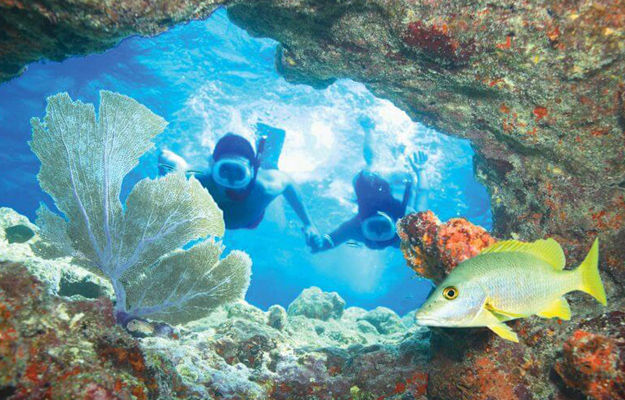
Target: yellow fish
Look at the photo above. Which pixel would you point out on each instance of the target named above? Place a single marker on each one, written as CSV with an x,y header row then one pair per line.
x,y
511,280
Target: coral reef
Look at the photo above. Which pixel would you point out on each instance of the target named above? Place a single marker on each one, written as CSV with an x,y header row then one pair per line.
x,y
473,363
136,247
238,351
433,249
538,87
308,358
60,276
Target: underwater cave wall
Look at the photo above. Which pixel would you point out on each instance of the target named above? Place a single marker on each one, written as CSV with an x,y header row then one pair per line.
x,y
32,30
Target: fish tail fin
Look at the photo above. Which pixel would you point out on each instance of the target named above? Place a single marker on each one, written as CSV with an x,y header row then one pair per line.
x,y
589,273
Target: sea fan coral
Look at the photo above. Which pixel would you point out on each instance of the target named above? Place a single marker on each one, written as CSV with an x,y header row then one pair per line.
x,y
83,164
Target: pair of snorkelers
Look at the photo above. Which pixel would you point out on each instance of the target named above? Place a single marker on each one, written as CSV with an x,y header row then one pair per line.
x,y
379,204
244,181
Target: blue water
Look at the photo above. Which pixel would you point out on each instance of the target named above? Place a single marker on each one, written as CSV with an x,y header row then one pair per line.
x,y
210,77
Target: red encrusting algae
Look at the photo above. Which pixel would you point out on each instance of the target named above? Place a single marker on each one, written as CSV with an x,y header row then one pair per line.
x,y
433,249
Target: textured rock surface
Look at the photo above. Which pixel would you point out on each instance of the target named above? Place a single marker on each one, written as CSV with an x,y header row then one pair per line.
x,y
554,359
237,357
313,303
54,30
60,276
384,320
54,348
594,363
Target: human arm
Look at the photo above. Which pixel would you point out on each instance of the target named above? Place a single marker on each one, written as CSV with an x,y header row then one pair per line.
x,y
293,196
419,198
349,229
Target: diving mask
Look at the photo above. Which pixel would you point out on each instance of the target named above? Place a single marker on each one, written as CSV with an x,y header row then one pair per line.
x,y
378,228
232,172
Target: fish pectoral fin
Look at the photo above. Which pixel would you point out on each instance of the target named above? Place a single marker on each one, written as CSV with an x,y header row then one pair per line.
x,y
502,330
501,314
559,308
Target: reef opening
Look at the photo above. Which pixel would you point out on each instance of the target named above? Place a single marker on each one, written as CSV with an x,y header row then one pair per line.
x,y
209,78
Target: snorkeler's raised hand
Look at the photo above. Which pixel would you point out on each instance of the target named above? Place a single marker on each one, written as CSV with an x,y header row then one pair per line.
x,y
417,161
313,237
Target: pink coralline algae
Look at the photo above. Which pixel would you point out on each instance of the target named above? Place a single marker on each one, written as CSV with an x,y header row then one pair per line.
x,y
594,364
433,249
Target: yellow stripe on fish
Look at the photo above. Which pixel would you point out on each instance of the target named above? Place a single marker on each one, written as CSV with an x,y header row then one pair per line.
x,y
511,280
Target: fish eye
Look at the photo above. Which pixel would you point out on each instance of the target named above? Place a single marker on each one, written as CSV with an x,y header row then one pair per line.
x,y
450,292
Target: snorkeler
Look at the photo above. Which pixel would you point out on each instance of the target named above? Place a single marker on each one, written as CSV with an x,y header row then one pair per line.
x,y
243,182
378,209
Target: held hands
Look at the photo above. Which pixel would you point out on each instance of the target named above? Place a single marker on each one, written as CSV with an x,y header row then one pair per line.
x,y
313,237
417,161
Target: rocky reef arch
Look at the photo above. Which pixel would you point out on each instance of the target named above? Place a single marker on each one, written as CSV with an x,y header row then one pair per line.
x,y
539,89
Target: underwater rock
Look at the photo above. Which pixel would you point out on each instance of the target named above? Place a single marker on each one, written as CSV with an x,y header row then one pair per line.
x,y
56,30
277,317
433,249
595,363
313,303
60,276
54,348
384,320
247,311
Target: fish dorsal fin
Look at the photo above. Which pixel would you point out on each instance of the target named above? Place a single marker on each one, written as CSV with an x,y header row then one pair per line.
x,y
547,250
504,331
559,308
